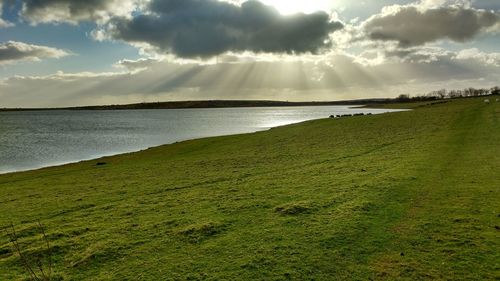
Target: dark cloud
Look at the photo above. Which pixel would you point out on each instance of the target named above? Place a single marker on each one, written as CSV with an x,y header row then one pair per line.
x,y
412,26
11,52
205,28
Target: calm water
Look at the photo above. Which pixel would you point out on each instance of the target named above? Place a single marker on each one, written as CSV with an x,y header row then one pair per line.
x,y
35,139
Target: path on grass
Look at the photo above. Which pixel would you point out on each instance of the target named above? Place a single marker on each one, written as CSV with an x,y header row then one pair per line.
x,y
452,220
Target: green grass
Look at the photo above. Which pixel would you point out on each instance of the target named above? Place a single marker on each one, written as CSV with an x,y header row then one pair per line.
x,y
410,195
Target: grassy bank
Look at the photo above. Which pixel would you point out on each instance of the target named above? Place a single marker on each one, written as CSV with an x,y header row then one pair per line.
x,y
410,195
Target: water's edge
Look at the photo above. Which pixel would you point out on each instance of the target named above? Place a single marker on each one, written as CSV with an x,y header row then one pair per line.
x,y
99,155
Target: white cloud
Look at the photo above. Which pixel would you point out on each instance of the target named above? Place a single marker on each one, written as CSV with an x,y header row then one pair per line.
x,y
434,4
13,52
416,25
74,11
4,23
136,65
475,54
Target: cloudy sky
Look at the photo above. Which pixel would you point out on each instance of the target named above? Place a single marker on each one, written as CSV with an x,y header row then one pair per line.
x,y
73,52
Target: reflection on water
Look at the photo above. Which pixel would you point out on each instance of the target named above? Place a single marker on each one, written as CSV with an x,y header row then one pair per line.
x,y
35,139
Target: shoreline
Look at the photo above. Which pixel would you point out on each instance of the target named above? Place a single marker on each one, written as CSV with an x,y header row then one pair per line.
x,y
97,157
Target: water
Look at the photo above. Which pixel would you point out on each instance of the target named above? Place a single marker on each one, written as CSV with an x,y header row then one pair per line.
x,y
36,139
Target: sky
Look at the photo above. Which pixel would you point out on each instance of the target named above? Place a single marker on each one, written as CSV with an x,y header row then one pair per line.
x,y
58,53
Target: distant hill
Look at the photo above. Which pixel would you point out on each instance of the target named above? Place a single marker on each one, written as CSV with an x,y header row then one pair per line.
x,y
207,104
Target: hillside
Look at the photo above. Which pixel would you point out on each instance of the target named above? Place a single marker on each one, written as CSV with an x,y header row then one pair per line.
x,y
409,195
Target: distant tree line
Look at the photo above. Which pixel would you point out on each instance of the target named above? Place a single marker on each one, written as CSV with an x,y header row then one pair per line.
x,y
450,94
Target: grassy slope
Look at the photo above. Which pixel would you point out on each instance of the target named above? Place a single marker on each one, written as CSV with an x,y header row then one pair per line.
x,y
410,195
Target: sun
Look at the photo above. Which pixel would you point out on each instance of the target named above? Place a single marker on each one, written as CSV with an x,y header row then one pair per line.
x,y
287,7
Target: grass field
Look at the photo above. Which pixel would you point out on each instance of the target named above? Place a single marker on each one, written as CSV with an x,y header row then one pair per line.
x,y
410,195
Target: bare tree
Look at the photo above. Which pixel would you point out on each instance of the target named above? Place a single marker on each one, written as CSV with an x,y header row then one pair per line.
x,y
38,270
